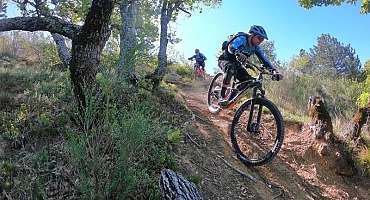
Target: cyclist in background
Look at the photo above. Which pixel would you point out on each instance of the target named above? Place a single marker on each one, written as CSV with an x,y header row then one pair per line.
x,y
199,59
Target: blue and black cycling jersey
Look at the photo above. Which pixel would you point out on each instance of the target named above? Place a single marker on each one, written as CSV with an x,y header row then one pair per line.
x,y
199,57
241,43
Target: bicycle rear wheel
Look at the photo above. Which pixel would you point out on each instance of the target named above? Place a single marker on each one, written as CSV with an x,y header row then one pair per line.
x,y
257,132
199,74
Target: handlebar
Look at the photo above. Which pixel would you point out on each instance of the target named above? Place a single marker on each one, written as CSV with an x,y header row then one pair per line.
x,y
263,70
245,62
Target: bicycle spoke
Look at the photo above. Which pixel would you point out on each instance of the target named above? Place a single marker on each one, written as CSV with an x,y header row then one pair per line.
x,y
214,93
255,133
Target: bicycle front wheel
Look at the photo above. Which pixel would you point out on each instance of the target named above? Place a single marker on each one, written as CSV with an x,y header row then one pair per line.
x,y
214,93
257,132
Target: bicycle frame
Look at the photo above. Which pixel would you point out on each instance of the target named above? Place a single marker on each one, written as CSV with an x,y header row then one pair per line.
x,y
258,92
255,83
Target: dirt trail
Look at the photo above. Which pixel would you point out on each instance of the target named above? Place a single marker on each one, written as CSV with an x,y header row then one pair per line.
x,y
293,174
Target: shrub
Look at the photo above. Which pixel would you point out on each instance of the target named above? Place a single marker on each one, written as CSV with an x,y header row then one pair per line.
x,y
362,100
183,70
293,91
120,155
7,170
364,159
32,105
174,136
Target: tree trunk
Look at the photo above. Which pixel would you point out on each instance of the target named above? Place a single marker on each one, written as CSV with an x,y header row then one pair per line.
x,y
166,13
15,45
128,41
87,47
174,186
63,51
331,151
359,126
167,9
321,123
128,32
360,119
87,41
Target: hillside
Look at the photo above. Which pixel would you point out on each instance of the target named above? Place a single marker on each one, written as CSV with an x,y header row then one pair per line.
x,y
42,151
106,99
298,172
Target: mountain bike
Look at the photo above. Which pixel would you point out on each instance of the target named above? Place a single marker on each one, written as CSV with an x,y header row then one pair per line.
x,y
257,129
198,72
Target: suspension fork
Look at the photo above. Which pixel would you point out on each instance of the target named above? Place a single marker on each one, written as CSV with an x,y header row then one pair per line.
x,y
251,112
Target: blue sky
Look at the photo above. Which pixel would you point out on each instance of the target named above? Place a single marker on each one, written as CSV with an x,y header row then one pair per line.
x,y
290,26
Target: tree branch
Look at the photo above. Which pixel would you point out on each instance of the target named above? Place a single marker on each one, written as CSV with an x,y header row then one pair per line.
x,y
185,11
173,6
177,5
51,24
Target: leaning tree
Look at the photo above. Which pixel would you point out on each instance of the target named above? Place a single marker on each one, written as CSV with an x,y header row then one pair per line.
x,y
88,41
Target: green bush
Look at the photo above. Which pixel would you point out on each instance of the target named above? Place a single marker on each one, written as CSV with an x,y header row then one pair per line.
x,y
169,86
124,150
183,70
7,170
49,54
362,100
364,159
342,97
118,151
174,136
13,123
33,102
293,92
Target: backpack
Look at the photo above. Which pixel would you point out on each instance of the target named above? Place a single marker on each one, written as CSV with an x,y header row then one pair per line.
x,y
225,55
226,43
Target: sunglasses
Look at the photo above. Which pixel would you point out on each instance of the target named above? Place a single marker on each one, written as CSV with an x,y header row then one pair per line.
x,y
260,39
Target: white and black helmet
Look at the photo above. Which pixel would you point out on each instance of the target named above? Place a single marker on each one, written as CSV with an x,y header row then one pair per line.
x,y
258,30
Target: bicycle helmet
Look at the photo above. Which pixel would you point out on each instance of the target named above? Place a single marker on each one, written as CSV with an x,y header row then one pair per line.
x,y
258,30
196,50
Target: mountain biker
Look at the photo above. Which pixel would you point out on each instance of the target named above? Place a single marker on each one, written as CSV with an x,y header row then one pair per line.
x,y
236,51
199,59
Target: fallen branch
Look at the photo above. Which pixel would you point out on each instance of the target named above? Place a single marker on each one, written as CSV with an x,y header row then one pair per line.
x,y
237,170
204,168
191,139
201,118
